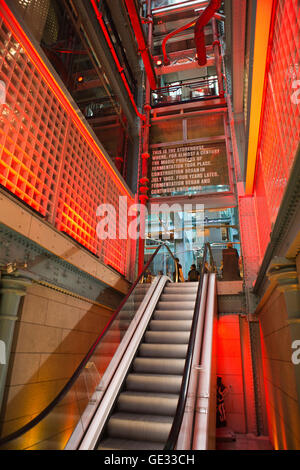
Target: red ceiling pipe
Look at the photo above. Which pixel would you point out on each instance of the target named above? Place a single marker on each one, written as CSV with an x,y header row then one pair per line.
x,y
202,21
171,34
142,45
113,52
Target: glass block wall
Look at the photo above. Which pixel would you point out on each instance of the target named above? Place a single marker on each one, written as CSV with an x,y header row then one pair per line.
x,y
48,157
280,129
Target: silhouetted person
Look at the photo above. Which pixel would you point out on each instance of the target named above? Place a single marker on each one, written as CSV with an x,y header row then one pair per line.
x,y
193,274
221,393
180,272
230,271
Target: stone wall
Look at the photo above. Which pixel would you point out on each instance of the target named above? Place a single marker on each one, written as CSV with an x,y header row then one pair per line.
x,y
53,333
280,373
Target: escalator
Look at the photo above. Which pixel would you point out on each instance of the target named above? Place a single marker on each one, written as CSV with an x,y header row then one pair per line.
x,y
154,381
137,385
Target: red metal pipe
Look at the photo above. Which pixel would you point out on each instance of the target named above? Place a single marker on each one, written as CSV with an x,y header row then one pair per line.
x,y
202,21
168,36
113,52
142,45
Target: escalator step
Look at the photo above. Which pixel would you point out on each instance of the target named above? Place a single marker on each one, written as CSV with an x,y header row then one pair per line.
x,y
138,402
163,350
176,305
139,427
150,365
167,337
173,315
159,383
124,444
178,297
170,325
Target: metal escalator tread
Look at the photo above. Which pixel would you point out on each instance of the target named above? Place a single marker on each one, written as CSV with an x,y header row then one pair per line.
x,y
139,427
142,402
156,365
145,409
162,350
125,444
153,383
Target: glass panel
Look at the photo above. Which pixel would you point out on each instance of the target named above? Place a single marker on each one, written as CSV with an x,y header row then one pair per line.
x,y
183,91
162,264
216,226
207,125
166,131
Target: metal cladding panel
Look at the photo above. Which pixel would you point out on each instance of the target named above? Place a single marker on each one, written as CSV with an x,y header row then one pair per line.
x,y
280,131
48,158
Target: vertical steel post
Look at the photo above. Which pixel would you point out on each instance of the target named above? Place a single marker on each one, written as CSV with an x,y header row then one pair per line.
x,y
144,180
216,47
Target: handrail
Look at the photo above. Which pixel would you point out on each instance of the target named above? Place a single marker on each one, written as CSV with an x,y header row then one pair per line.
x,y
181,83
173,435
85,360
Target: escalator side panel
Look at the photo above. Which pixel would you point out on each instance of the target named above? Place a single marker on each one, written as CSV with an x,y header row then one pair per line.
x,y
205,418
91,437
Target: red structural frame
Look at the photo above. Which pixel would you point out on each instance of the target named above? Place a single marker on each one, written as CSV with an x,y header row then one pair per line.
x,y
48,157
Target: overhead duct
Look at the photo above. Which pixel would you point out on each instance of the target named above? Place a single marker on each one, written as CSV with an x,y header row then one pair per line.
x,y
170,35
202,21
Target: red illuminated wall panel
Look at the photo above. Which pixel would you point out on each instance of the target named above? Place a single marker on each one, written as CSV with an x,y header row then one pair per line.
x,y
30,150
279,133
48,157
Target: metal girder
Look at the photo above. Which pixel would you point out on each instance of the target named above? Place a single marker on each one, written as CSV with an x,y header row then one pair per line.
x,y
162,11
122,24
103,54
50,270
238,53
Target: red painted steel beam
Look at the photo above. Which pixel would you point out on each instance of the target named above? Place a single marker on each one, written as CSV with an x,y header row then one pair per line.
x,y
170,35
115,57
202,21
142,45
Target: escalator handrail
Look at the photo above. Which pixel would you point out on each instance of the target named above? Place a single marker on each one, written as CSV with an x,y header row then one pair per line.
x,y
176,425
19,432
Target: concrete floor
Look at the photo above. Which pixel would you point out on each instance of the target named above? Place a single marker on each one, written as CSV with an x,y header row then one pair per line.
x,y
243,442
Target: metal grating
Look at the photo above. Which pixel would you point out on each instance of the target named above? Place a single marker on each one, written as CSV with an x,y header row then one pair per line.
x,y
48,158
